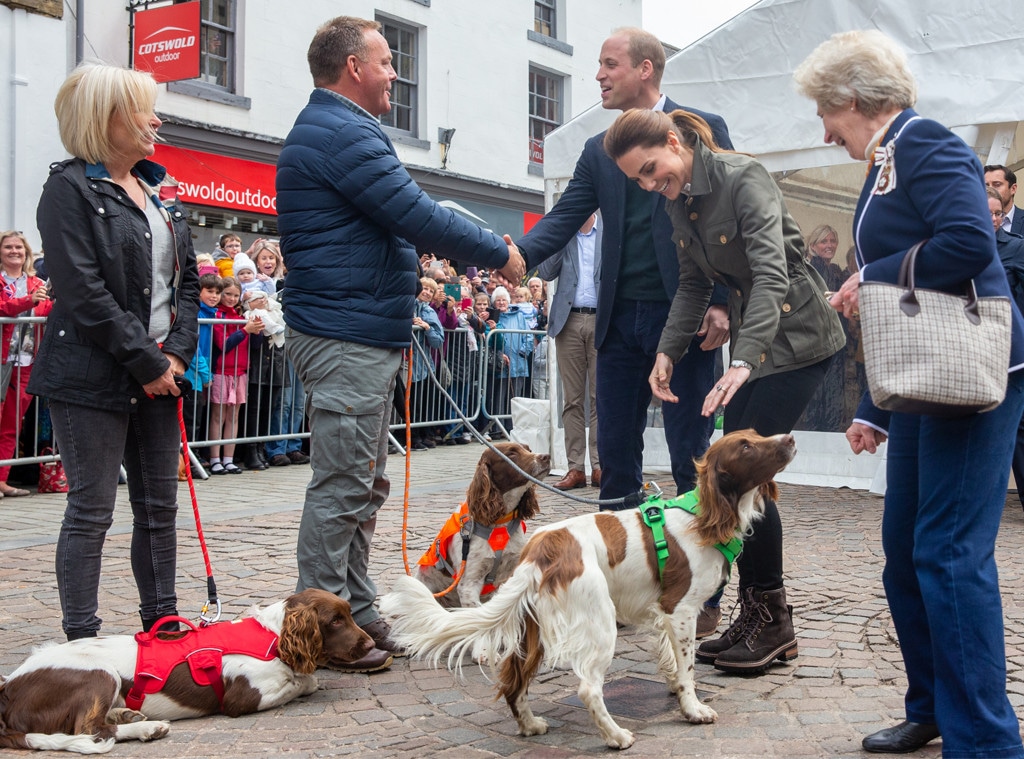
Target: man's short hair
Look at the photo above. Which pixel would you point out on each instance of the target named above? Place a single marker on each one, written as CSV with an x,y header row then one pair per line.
x,y
211,282
333,43
644,46
1011,178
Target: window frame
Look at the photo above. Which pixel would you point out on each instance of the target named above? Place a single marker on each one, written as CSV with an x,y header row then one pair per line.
x,y
210,90
412,108
536,97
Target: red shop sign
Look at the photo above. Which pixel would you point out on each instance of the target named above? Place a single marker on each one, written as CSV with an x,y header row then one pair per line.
x,y
207,179
165,42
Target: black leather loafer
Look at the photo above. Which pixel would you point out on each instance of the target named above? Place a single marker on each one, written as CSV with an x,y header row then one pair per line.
x,y
902,739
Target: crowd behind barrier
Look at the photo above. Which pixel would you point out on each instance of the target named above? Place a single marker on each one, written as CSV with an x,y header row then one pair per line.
x,y
470,368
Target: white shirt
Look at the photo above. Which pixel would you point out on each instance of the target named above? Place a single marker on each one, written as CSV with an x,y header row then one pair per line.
x,y
586,290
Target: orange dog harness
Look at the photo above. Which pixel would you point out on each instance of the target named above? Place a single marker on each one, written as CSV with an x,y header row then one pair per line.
x,y
460,523
202,648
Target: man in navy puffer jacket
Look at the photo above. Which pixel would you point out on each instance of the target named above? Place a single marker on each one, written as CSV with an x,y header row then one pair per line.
x,y
351,218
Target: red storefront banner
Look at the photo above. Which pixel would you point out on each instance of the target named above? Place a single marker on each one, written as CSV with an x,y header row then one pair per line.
x,y
165,42
207,179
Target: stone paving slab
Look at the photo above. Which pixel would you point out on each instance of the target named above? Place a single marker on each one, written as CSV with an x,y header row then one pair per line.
x,y
846,682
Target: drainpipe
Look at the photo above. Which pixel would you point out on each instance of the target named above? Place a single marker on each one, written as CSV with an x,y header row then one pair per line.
x,y
79,31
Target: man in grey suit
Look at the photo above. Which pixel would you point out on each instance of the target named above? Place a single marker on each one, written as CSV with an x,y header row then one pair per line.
x,y
1004,181
572,316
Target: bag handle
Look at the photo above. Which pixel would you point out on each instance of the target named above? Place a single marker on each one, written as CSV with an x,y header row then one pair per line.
x,y
908,301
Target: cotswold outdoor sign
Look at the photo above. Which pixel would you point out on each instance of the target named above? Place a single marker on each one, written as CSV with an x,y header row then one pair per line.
x,y
165,42
220,181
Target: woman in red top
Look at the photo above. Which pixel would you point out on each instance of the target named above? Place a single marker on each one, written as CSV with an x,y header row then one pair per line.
x,y
22,294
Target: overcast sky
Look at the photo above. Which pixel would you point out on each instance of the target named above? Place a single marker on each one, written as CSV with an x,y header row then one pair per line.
x,y
680,22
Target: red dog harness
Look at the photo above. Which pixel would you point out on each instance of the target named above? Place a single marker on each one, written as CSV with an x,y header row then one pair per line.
x,y
459,522
202,648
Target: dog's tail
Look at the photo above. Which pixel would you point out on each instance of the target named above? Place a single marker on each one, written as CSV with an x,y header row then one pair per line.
x,y
497,628
79,744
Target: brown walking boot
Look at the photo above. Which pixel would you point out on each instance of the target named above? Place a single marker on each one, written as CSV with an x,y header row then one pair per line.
x,y
709,650
708,620
767,635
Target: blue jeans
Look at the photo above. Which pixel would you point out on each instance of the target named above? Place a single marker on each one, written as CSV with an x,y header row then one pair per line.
x,y
93,443
349,389
287,418
946,489
624,363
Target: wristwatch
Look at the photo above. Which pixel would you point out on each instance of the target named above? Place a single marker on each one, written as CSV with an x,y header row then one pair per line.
x,y
738,364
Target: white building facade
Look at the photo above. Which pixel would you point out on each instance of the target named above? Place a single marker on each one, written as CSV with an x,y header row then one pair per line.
x,y
490,79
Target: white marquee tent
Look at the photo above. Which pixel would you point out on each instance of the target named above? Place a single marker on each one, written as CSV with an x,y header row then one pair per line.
x,y
969,63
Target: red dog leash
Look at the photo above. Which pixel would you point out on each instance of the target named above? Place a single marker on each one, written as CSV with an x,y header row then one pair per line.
x,y
211,584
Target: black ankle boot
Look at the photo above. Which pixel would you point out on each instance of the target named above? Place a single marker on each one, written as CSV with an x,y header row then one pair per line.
x,y
79,634
767,635
709,650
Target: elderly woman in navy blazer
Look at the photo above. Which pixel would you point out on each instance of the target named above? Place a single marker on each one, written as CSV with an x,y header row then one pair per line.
x,y
946,477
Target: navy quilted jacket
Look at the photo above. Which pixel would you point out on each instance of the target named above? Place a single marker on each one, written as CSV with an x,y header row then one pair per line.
x,y
351,219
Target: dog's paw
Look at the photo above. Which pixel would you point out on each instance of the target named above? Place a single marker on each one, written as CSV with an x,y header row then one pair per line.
x,y
124,716
143,731
698,713
619,739
533,726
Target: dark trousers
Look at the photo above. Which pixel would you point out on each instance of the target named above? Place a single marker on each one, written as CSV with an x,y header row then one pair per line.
x,y
770,406
93,443
624,363
945,495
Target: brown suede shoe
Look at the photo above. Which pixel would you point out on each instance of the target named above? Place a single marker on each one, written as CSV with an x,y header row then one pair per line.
x,y
374,661
573,479
595,477
380,631
708,620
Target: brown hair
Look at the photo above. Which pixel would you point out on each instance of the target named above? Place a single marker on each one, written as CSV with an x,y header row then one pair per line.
x,y
333,43
641,127
644,46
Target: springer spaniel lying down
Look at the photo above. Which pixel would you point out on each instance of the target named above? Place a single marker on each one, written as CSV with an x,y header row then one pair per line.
x,y
499,500
577,577
71,697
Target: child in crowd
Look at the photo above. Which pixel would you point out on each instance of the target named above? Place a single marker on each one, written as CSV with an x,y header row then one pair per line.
x,y
229,376
430,336
259,305
228,246
521,300
516,349
245,273
206,264
200,370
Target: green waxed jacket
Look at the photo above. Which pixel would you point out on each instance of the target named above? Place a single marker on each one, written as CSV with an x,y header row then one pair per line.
x,y
734,229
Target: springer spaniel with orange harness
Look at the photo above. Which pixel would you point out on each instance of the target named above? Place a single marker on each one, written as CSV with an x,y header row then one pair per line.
x,y
576,577
489,530
85,695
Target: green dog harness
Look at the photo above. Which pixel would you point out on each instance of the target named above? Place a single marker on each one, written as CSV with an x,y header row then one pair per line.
x,y
653,513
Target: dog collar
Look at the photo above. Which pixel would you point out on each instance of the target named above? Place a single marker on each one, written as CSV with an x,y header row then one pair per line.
x,y
653,513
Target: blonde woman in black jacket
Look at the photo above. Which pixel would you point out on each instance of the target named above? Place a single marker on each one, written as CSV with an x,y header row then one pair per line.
x,y
123,328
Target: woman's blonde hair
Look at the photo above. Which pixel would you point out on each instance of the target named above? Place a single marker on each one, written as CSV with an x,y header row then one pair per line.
x,y
263,245
29,267
819,233
865,67
644,128
90,97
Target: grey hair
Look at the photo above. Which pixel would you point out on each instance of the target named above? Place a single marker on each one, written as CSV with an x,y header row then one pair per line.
x,y
863,66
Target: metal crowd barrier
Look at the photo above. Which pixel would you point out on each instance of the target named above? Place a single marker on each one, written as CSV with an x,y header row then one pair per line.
x,y
274,408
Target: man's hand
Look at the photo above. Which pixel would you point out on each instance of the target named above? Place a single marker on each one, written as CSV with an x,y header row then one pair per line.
x,y
715,328
512,273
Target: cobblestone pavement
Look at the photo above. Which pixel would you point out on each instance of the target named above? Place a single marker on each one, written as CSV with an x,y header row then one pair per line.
x,y
846,682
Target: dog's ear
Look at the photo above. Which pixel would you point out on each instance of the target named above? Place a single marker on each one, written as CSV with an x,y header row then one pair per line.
x,y
769,491
719,501
529,507
485,503
301,644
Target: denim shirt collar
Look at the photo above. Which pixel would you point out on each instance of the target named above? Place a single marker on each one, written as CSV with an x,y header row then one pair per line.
x,y
148,171
350,104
